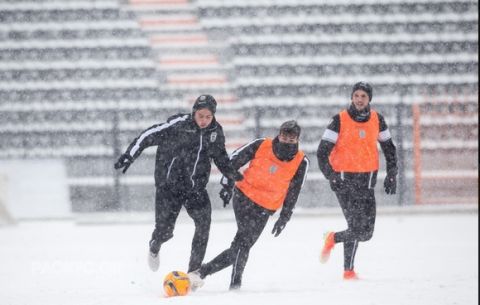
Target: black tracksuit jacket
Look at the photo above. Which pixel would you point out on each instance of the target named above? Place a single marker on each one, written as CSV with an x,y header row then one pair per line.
x,y
184,152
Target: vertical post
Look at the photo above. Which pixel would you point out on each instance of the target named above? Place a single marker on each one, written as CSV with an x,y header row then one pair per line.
x,y
258,116
417,153
401,153
5,217
116,200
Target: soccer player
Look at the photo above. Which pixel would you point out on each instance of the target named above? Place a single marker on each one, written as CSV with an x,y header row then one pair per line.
x,y
349,159
273,180
186,144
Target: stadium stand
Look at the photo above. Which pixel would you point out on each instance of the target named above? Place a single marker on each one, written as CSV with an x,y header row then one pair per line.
x,y
306,48
67,69
189,61
80,79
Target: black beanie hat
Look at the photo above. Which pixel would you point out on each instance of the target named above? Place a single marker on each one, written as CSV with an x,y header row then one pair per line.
x,y
290,128
205,101
365,87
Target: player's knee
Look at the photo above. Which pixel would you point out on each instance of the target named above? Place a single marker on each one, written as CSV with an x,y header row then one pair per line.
x,y
240,243
202,224
366,235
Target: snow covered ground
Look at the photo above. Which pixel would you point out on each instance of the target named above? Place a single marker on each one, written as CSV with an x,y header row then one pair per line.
x,y
412,259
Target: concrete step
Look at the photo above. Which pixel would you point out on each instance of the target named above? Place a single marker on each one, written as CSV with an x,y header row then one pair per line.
x,y
187,62
192,87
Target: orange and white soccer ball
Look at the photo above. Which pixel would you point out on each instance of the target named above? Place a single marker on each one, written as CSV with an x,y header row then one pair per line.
x,y
176,283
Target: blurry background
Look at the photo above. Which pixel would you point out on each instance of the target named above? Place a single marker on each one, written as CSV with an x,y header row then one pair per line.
x,y
79,80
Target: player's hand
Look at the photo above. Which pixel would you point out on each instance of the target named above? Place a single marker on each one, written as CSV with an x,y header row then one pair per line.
x,y
279,226
336,182
390,184
124,162
226,194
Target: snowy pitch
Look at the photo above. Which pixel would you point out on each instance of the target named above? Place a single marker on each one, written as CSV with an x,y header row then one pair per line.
x,y
412,259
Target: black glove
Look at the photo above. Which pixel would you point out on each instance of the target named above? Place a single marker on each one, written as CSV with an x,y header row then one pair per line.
x,y
279,226
226,194
124,162
336,182
390,184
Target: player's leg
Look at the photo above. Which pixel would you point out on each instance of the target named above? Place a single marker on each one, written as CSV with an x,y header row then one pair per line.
x,y
226,258
246,235
332,238
200,210
167,208
362,216
251,220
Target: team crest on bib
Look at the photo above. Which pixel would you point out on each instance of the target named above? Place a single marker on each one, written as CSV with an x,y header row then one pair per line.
x,y
213,137
362,134
273,169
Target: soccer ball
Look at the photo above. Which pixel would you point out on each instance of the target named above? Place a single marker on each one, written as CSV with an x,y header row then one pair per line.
x,y
176,283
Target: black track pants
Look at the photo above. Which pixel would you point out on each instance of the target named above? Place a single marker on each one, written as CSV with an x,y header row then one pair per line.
x,y
251,220
359,209
167,207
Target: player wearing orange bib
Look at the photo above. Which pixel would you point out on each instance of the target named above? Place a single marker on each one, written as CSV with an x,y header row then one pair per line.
x,y
273,180
349,159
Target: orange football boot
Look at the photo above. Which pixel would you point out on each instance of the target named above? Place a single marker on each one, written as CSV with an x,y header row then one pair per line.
x,y
327,247
350,275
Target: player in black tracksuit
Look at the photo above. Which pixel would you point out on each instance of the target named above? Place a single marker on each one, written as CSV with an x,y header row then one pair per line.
x,y
186,144
355,190
251,216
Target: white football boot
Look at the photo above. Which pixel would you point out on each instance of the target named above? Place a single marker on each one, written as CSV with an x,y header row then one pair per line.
x,y
153,261
195,280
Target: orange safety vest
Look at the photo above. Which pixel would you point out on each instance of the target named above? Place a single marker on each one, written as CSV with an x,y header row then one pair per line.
x,y
356,148
267,178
